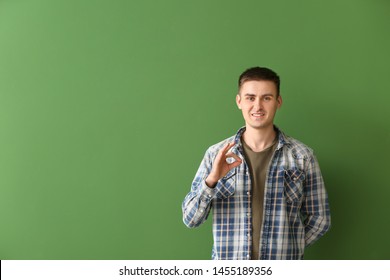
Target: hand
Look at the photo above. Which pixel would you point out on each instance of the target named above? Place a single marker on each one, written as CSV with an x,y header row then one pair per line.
x,y
221,167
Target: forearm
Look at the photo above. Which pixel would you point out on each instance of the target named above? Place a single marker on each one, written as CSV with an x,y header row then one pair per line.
x,y
316,206
315,227
210,183
196,205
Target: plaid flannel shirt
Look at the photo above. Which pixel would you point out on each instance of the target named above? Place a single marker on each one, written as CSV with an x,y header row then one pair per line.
x,y
296,210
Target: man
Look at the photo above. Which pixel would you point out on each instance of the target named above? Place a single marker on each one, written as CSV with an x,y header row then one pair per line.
x,y
266,189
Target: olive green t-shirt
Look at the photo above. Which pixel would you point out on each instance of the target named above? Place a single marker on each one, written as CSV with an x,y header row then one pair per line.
x,y
258,163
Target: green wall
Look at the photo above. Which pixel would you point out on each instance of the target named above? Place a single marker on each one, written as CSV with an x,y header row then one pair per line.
x,y
107,107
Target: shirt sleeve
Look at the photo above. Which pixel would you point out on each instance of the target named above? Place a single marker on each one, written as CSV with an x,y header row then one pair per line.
x,y
197,203
315,207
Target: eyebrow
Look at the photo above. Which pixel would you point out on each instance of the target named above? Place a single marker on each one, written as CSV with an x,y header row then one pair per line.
x,y
263,95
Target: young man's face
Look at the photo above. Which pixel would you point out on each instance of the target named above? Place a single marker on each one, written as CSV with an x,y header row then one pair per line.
x,y
258,102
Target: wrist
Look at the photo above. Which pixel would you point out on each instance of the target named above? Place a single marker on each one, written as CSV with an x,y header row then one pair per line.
x,y
211,181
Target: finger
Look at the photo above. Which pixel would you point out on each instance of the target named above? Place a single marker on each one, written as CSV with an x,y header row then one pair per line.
x,y
221,151
227,147
237,161
235,164
233,160
233,155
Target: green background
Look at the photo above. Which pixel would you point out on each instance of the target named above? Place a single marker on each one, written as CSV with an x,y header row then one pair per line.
x,y
107,108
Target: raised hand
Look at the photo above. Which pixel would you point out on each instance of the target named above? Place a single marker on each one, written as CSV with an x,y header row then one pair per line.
x,y
220,166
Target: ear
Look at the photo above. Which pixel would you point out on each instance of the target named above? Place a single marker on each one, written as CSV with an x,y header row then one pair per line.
x,y
280,101
238,101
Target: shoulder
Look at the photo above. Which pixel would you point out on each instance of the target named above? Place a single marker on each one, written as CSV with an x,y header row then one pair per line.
x,y
298,149
234,138
213,150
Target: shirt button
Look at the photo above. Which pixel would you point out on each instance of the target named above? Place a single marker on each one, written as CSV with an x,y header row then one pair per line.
x,y
248,257
201,210
248,193
209,195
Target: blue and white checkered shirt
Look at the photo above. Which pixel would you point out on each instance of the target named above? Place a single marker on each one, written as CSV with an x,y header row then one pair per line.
x,y
296,210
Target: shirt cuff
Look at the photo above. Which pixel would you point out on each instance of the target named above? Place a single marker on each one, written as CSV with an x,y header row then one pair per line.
x,y
206,193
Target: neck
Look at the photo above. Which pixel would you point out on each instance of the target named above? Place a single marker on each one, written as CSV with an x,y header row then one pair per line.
x,y
259,139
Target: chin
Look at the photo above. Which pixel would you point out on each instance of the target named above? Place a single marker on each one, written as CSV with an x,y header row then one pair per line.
x,y
259,126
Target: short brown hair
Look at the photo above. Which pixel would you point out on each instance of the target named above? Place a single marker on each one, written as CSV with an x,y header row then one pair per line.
x,y
259,74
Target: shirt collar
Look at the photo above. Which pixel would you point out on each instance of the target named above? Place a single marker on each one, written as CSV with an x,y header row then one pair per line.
x,y
282,138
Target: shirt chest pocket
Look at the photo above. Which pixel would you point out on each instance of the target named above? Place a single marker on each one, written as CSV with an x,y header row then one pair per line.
x,y
293,185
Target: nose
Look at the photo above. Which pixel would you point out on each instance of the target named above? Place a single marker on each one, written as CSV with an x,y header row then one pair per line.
x,y
259,104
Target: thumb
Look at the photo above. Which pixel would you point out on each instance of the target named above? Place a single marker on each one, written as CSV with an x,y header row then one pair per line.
x,y
234,164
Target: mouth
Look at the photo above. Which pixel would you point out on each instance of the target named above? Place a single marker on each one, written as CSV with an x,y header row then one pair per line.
x,y
258,115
